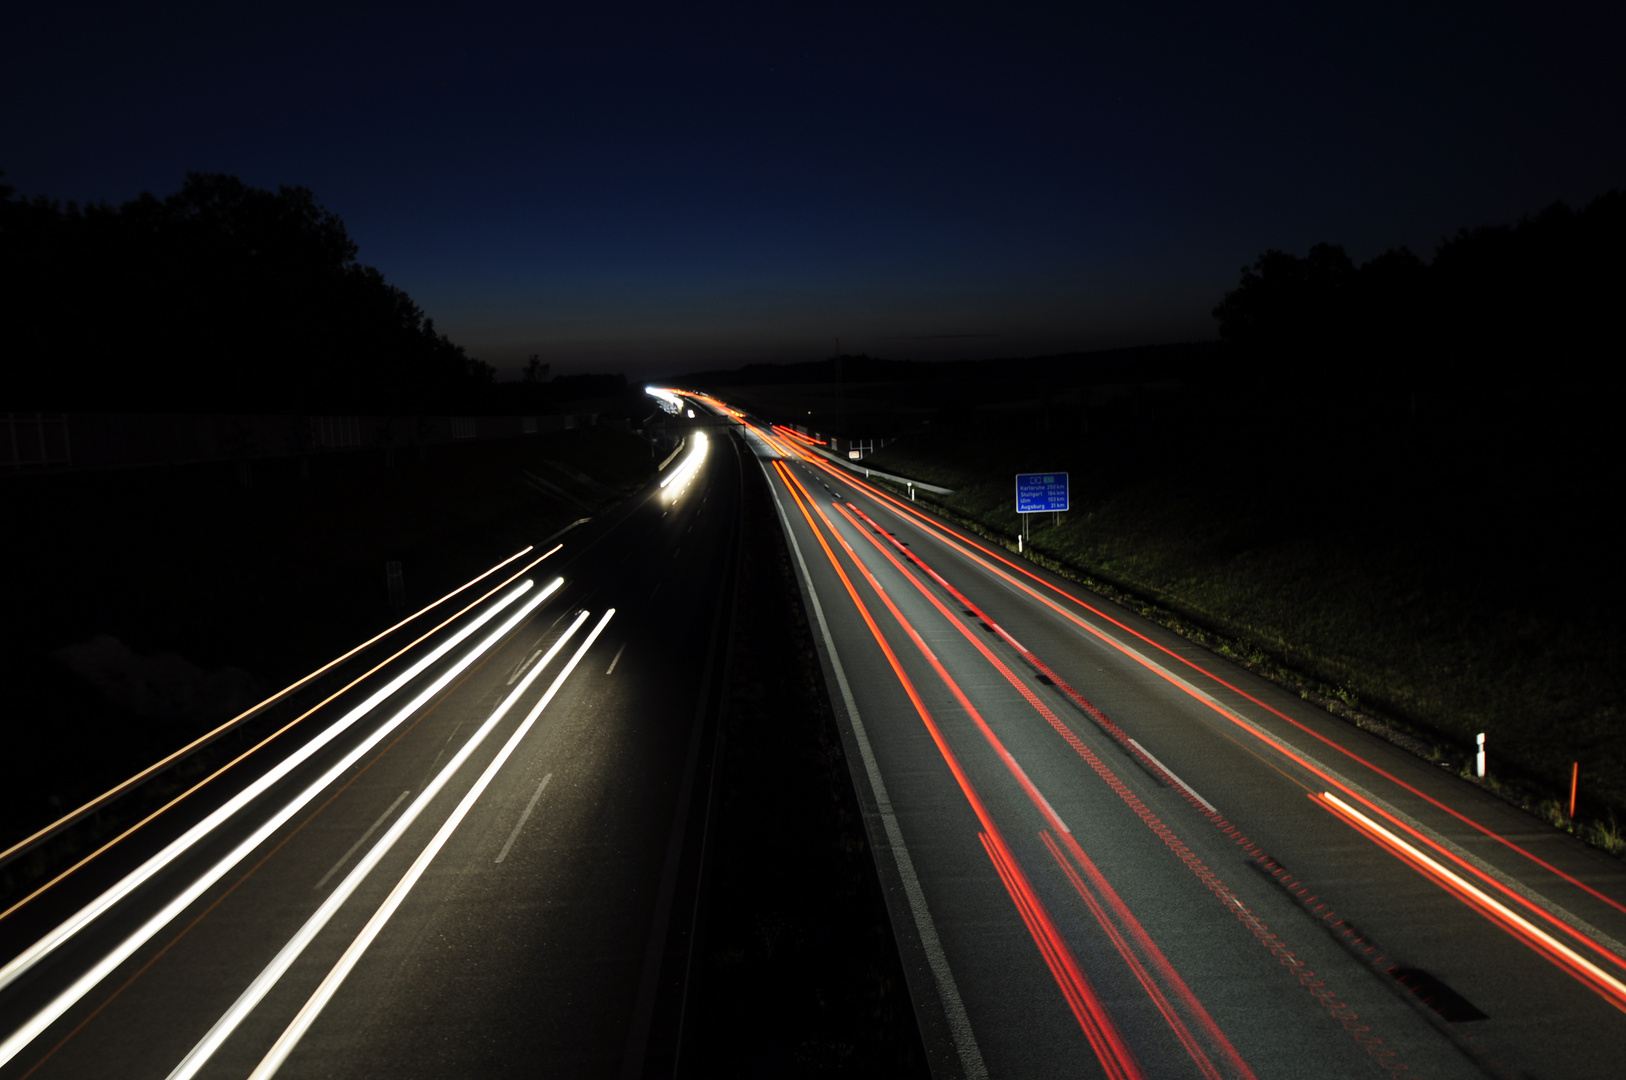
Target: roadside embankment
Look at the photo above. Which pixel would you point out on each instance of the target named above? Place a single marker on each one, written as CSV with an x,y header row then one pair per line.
x,y
1418,588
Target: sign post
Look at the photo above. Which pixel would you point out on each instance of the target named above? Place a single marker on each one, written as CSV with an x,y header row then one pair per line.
x,y
1041,493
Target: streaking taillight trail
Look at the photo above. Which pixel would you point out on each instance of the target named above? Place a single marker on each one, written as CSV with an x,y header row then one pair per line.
x,y
965,547
1165,974
1604,984
1093,1019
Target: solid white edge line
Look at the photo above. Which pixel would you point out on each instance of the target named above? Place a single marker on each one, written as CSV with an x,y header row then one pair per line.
x,y
268,977
307,1015
523,818
364,838
127,884
676,450
959,1024
45,1017
1189,790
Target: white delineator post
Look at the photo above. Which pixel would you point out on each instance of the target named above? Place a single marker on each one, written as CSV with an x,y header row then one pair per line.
x,y
1479,760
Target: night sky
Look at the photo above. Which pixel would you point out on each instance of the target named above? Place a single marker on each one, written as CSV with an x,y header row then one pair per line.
x,y
662,188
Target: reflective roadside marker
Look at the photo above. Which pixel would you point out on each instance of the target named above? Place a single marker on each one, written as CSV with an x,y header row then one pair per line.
x,y
1479,761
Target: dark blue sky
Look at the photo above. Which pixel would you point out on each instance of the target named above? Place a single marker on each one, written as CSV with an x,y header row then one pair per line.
x,y
665,187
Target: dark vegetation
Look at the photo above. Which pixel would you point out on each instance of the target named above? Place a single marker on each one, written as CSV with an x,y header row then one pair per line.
x,y
801,974
222,297
1524,315
1391,484
219,297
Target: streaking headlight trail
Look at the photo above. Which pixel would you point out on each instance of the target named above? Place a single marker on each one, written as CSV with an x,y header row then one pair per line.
x,y
681,475
669,401
313,1007
280,964
45,945
64,1001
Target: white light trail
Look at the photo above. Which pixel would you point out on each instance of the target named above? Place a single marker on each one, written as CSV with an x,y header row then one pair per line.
x,y
64,1001
680,475
295,1031
669,401
51,941
285,958
240,717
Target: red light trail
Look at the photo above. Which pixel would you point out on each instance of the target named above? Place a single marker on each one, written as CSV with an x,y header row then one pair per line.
x,y
1510,894
1097,1025
1604,986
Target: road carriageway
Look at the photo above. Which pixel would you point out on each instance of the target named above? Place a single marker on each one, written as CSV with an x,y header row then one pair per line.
x,y
1111,853
462,854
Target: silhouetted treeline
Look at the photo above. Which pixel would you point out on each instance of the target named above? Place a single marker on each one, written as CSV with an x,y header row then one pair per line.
x,y
220,296
1524,314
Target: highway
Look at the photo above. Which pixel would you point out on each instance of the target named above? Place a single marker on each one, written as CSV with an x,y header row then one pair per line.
x,y
1109,852
474,848
475,855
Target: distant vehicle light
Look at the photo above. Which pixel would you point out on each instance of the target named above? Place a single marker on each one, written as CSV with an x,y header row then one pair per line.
x,y
691,414
679,476
668,400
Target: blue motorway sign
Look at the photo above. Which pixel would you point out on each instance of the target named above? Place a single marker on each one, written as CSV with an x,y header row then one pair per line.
x,y
1041,493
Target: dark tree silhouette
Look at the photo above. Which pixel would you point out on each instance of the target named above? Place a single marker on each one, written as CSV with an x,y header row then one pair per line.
x,y
1290,317
1506,314
220,296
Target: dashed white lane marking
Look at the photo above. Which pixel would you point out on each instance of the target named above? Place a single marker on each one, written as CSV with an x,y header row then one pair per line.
x,y
521,669
357,845
1189,790
520,824
611,669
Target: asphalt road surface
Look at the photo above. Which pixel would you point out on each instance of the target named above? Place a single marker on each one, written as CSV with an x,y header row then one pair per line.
x,y
1110,852
445,887
1106,851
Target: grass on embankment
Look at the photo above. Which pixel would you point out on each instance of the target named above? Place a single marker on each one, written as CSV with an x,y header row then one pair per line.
x,y
1392,576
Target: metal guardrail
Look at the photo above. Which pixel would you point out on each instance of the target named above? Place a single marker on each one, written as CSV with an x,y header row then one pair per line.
x,y
868,472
